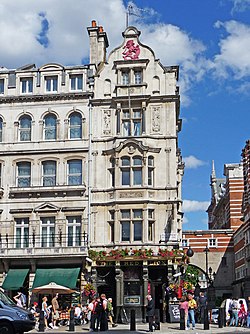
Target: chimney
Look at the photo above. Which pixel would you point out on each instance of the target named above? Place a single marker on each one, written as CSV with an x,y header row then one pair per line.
x,y
98,44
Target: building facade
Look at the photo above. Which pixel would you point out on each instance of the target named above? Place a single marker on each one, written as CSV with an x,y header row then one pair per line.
x,y
91,172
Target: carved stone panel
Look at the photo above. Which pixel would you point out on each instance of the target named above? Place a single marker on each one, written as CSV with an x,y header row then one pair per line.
x,y
156,119
106,122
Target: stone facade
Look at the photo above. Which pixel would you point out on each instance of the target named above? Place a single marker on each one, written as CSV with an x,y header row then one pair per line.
x,y
89,160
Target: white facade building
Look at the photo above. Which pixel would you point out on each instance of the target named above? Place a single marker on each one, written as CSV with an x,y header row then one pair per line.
x,y
89,156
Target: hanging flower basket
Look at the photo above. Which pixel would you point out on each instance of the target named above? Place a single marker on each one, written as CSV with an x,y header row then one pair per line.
x,y
144,253
89,290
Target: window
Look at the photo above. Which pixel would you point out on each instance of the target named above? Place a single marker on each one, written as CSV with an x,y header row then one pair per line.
x,y
150,171
125,78
131,170
48,232
112,172
184,242
151,222
1,129
50,127
26,85
131,225
112,226
76,82
1,86
22,232
51,83
74,172
74,231
23,174
212,242
131,122
1,181
138,77
75,126
25,128
49,173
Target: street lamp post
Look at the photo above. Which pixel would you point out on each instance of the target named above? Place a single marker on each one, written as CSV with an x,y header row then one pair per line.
x,y
206,251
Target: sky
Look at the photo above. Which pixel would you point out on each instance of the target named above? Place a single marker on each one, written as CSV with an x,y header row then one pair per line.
x,y
208,39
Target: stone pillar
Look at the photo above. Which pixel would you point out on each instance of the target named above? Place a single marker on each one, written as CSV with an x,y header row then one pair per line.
x,y
119,291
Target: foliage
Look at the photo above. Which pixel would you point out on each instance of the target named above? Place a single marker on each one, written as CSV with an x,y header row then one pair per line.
x,y
89,290
143,253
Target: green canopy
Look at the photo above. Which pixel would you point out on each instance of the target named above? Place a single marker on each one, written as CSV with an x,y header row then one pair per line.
x,y
62,276
15,279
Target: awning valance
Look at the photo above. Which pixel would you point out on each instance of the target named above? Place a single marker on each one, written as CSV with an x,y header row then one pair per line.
x,y
15,279
62,276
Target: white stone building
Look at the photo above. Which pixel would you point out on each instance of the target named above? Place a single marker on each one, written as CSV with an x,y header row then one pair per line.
x,y
89,156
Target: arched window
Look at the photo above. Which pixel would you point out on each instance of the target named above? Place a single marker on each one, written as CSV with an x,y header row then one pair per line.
x,y
25,128
75,126
50,127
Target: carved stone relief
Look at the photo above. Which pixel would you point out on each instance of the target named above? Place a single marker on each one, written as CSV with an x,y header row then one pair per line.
x,y
156,119
106,122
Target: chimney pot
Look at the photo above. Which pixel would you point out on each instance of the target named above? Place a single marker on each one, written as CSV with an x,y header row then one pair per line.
x,y
93,23
100,29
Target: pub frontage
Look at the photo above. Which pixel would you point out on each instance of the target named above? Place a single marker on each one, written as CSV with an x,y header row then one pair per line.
x,y
128,276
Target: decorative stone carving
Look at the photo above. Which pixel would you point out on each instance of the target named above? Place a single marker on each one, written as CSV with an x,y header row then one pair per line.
x,y
132,194
156,119
106,122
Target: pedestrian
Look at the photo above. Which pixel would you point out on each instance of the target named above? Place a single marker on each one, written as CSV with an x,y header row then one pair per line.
x,y
150,312
111,312
235,309
192,305
78,314
104,316
202,305
34,309
184,306
96,314
18,299
55,312
90,316
46,311
242,313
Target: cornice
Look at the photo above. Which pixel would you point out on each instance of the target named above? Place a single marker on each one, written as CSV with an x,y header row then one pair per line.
x,y
45,97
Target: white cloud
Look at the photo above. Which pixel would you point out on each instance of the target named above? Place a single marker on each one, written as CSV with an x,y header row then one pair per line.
x,y
68,43
232,61
192,206
240,5
192,162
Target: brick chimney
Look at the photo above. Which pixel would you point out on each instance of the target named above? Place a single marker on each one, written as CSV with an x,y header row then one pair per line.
x,y
98,44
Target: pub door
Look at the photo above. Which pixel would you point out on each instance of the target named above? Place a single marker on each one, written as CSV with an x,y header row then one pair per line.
x,y
158,297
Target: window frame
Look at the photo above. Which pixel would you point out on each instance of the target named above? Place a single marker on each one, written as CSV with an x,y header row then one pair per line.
x,y
23,227
23,176
76,80
73,127
131,123
25,132
128,222
47,128
73,175
47,224
26,85
76,225
51,83
129,172
51,176
2,86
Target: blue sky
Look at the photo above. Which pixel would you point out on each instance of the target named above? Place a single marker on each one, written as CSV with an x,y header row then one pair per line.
x,y
208,39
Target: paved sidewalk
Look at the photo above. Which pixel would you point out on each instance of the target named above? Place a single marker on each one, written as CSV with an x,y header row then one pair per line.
x,y
143,328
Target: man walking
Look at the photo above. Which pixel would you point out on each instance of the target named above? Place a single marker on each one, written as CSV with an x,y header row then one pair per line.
x,y
191,307
150,312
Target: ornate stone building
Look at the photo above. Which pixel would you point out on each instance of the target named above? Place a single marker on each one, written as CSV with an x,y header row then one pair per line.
x,y
89,156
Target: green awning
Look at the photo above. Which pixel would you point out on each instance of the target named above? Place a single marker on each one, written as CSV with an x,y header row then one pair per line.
x,y
15,279
62,276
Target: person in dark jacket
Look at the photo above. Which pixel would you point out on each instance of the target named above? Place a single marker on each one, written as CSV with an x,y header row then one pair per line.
x,y
150,312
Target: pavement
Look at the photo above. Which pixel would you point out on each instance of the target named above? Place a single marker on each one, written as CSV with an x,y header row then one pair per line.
x,y
168,328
